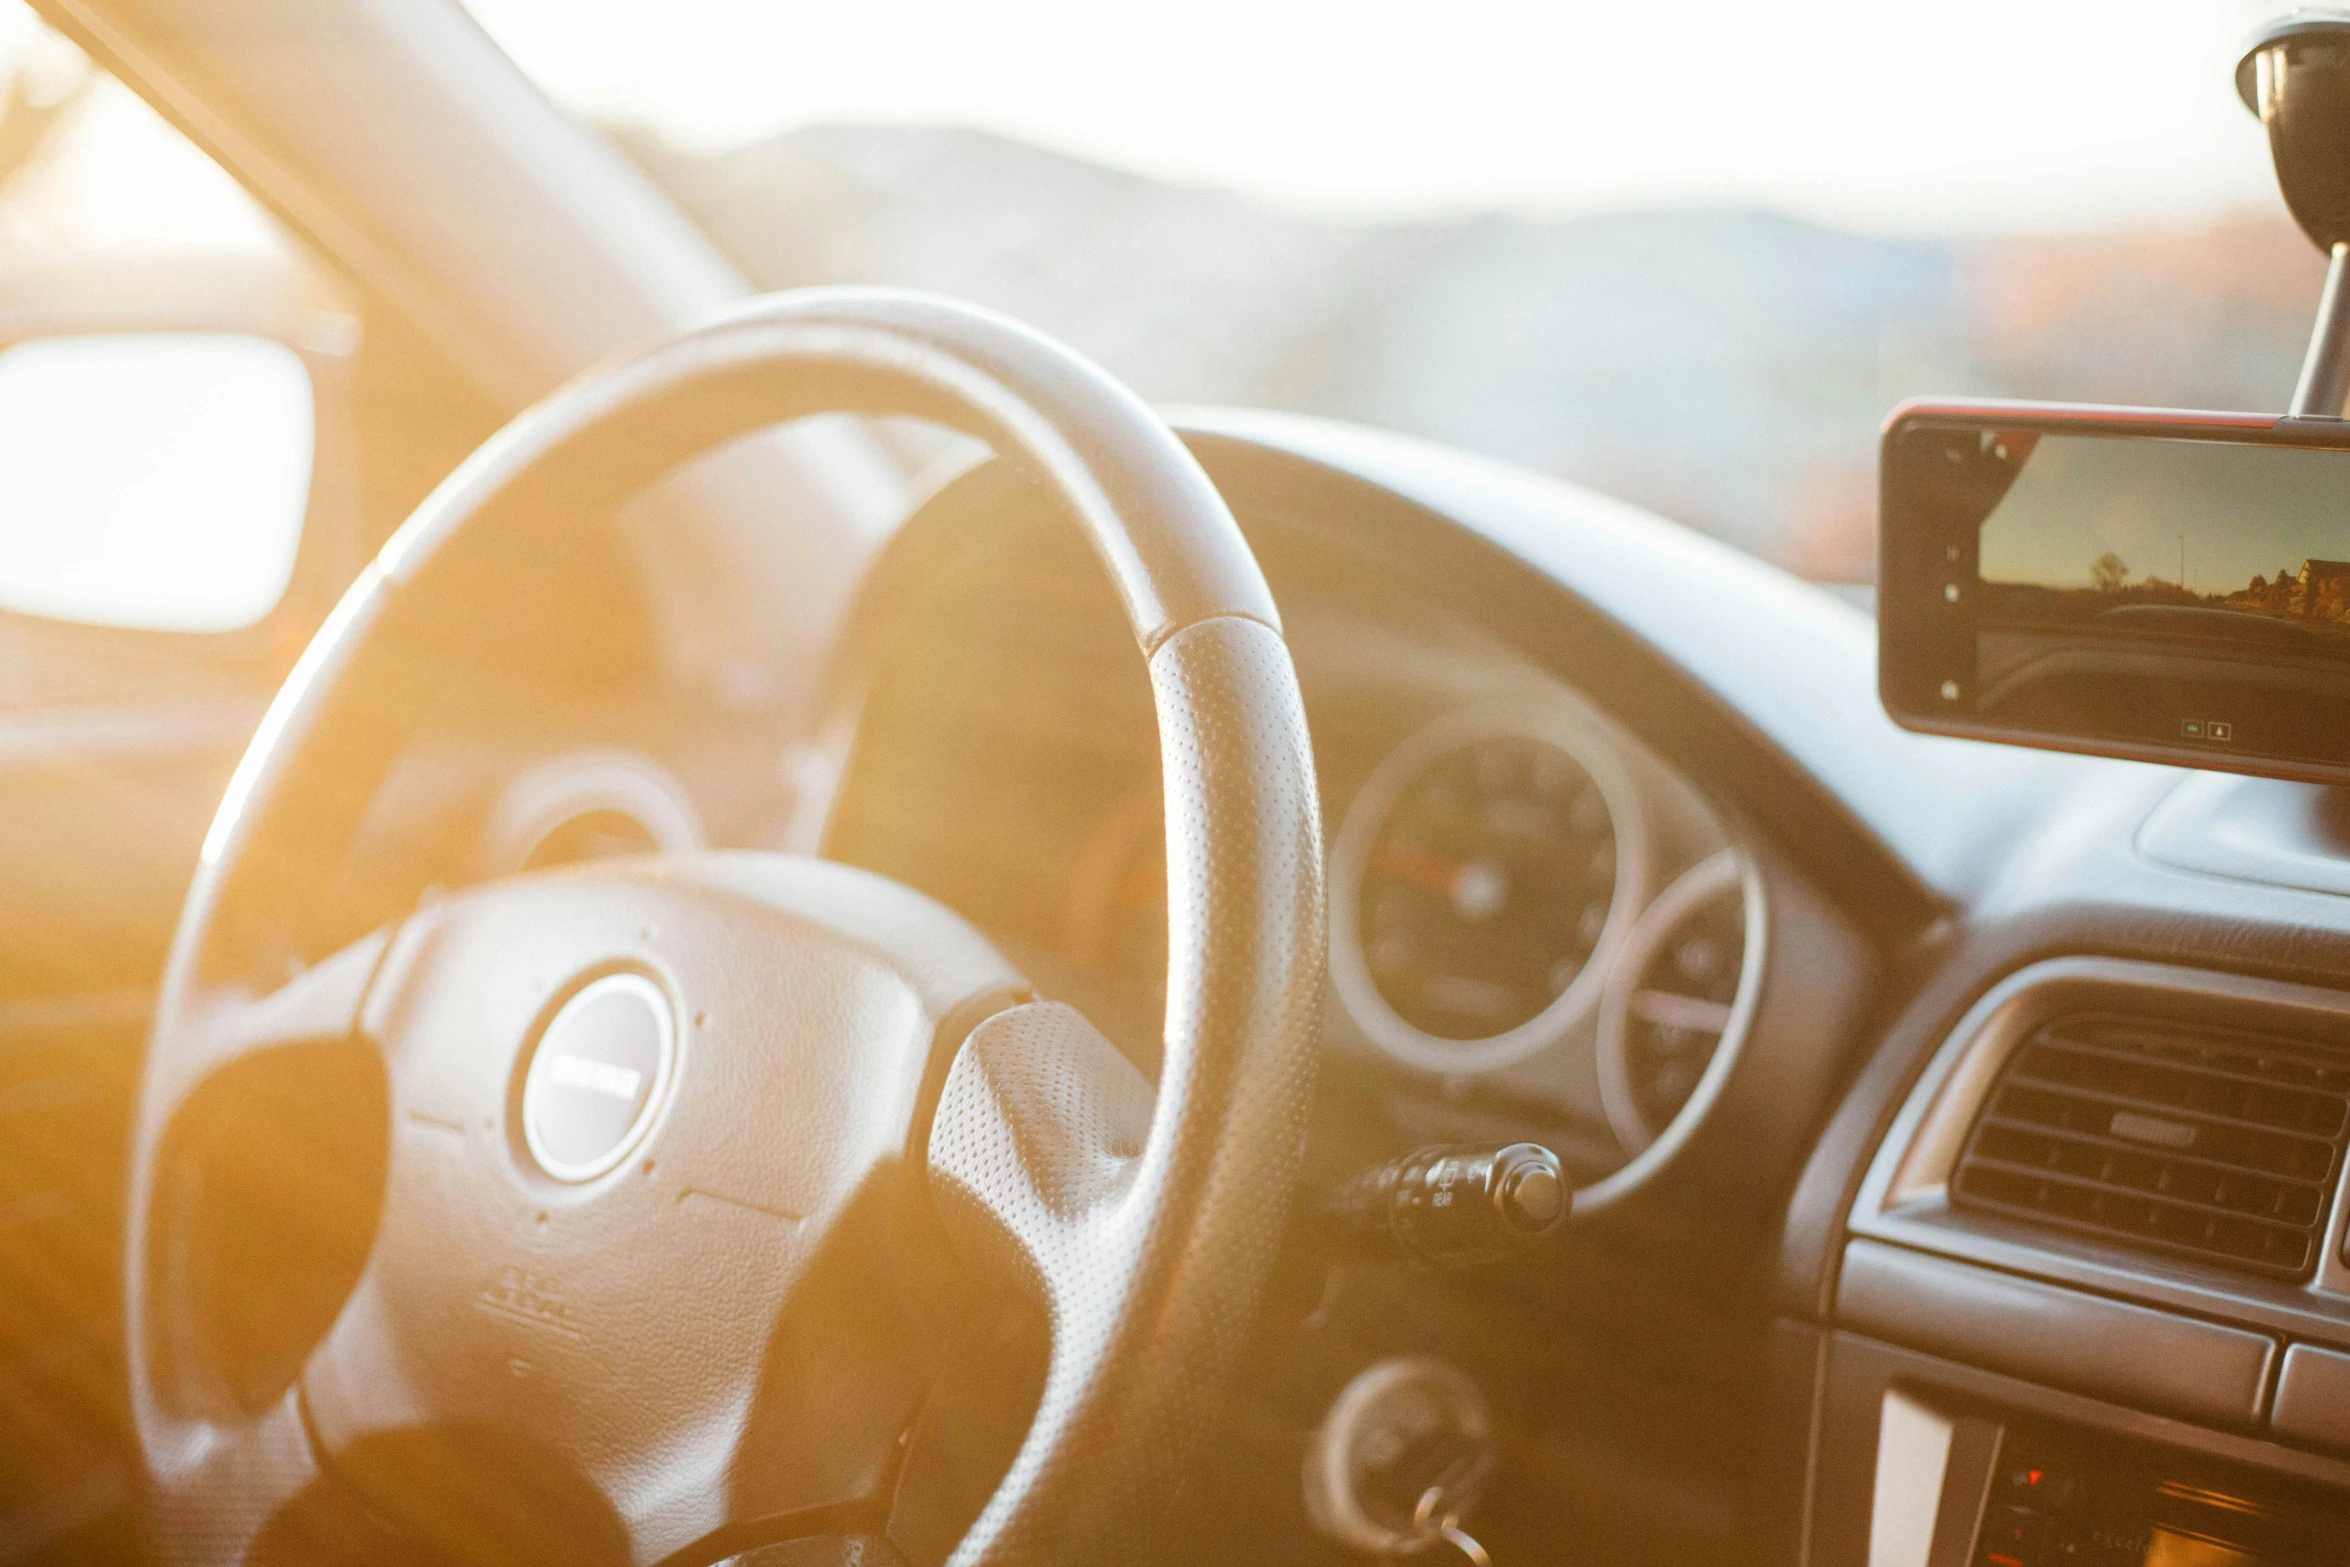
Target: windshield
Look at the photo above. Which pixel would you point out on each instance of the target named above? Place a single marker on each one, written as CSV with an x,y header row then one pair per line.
x,y
1687,255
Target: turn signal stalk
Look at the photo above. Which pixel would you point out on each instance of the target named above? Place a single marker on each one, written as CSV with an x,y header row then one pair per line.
x,y
1456,1204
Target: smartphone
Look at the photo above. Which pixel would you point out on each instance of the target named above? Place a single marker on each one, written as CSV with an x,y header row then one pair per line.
x,y
2147,583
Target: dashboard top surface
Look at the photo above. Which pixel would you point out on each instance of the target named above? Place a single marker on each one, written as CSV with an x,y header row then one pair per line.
x,y
1988,834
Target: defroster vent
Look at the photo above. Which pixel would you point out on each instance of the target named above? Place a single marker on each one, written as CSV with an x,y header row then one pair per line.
x,y
2197,1142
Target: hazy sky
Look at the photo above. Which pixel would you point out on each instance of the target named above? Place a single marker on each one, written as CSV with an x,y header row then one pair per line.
x,y
2241,510
1881,114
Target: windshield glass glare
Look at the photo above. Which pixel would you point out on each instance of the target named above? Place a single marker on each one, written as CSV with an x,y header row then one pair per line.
x,y
1687,255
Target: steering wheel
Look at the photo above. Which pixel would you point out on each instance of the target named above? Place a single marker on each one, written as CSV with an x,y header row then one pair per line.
x,y
615,1213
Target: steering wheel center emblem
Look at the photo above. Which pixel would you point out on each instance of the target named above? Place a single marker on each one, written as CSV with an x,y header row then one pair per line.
x,y
597,1077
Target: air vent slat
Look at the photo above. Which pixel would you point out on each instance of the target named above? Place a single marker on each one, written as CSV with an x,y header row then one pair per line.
x,y
2200,1091
2198,1186
2217,1145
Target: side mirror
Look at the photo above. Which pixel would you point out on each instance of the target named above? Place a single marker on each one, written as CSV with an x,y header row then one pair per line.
x,y
153,481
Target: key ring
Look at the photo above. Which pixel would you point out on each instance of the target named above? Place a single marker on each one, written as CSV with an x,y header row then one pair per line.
x,y
1447,1528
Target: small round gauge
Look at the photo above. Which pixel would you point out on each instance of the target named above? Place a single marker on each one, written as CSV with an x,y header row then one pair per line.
x,y
1482,878
1675,998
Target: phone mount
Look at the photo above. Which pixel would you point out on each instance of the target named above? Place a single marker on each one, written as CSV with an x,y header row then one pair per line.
x,y
2295,74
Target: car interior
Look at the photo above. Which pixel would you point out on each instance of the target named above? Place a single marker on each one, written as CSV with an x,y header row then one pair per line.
x,y
659,920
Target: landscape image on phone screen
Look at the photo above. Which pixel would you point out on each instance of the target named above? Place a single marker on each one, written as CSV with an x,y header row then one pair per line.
x,y
2118,576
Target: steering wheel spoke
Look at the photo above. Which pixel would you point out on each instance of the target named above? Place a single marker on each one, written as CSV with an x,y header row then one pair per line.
x,y
1039,1132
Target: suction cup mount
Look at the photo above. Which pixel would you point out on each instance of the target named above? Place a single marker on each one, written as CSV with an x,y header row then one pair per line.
x,y
2295,74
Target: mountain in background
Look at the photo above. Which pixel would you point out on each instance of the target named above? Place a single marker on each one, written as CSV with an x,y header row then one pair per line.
x,y
1728,368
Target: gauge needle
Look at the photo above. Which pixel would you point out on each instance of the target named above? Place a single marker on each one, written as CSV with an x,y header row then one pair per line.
x,y
1667,1010
1476,888
1422,867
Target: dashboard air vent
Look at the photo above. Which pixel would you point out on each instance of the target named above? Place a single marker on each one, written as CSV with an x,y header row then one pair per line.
x,y
2202,1143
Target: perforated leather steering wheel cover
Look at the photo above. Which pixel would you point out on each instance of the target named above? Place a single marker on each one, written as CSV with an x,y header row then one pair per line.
x,y
1243,823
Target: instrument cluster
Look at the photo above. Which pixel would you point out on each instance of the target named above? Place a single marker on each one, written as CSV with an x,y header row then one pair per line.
x,y
1522,898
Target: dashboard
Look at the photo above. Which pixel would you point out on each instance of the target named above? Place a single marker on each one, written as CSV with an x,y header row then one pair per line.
x,y
1543,928
1935,1113
1538,924
1855,1043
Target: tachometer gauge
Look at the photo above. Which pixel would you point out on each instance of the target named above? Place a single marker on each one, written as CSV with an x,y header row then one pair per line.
x,y
1482,878
1675,999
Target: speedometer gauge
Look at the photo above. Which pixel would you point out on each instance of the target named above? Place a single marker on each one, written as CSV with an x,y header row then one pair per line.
x,y
1481,879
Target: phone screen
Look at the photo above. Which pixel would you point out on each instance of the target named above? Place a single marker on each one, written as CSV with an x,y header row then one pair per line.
x,y
2186,595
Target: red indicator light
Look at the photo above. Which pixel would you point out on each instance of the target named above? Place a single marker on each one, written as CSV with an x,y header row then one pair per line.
x,y
2032,1476
1997,1560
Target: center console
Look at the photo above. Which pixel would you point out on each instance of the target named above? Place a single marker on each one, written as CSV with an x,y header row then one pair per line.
x,y
1967,1485
2094,1304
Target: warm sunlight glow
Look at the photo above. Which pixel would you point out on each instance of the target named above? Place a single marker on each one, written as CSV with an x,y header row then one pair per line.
x,y
155,480
2013,114
110,176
